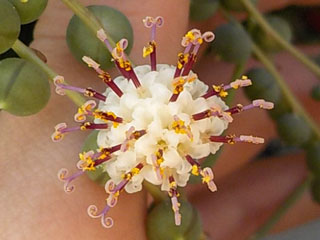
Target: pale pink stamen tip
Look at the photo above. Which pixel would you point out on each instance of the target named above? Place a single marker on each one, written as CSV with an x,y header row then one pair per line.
x,y
263,104
63,172
241,83
57,80
101,35
60,126
251,139
90,62
150,21
112,200
208,36
177,219
212,186
107,222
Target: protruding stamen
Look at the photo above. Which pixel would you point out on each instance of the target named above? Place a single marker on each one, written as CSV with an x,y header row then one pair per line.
x,y
88,92
178,85
114,192
207,177
194,36
105,76
67,180
61,129
231,139
93,93
106,222
108,116
221,89
206,173
259,103
84,110
212,113
123,63
157,159
179,127
103,38
173,194
152,23
131,134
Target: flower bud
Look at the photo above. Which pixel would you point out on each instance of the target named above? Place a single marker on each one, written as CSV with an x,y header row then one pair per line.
x,y
98,175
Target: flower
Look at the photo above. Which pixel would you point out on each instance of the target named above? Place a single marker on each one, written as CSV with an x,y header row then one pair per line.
x,y
155,122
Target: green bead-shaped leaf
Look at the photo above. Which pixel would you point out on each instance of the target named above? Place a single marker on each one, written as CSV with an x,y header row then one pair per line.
x,y
29,10
234,5
265,41
9,25
232,43
293,129
24,87
99,175
83,42
161,225
203,9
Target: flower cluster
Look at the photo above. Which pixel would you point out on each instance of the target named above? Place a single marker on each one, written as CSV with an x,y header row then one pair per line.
x,y
155,122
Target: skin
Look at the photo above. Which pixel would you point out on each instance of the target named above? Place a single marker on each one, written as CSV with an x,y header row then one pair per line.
x,y
32,202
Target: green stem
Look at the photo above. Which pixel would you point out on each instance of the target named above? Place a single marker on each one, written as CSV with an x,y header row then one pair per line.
x,y
291,200
86,17
254,13
155,191
25,52
296,106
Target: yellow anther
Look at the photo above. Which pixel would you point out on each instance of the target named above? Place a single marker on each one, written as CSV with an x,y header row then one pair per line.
x,y
200,40
149,49
173,184
182,59
190,36
220,90
160,160
230,139
127,176
244,77
135,171
85,126
195,170
116,194
58,136
126,65
119,48
206,179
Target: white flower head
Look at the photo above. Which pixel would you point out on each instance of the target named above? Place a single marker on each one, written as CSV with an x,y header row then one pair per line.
x,y
155,122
